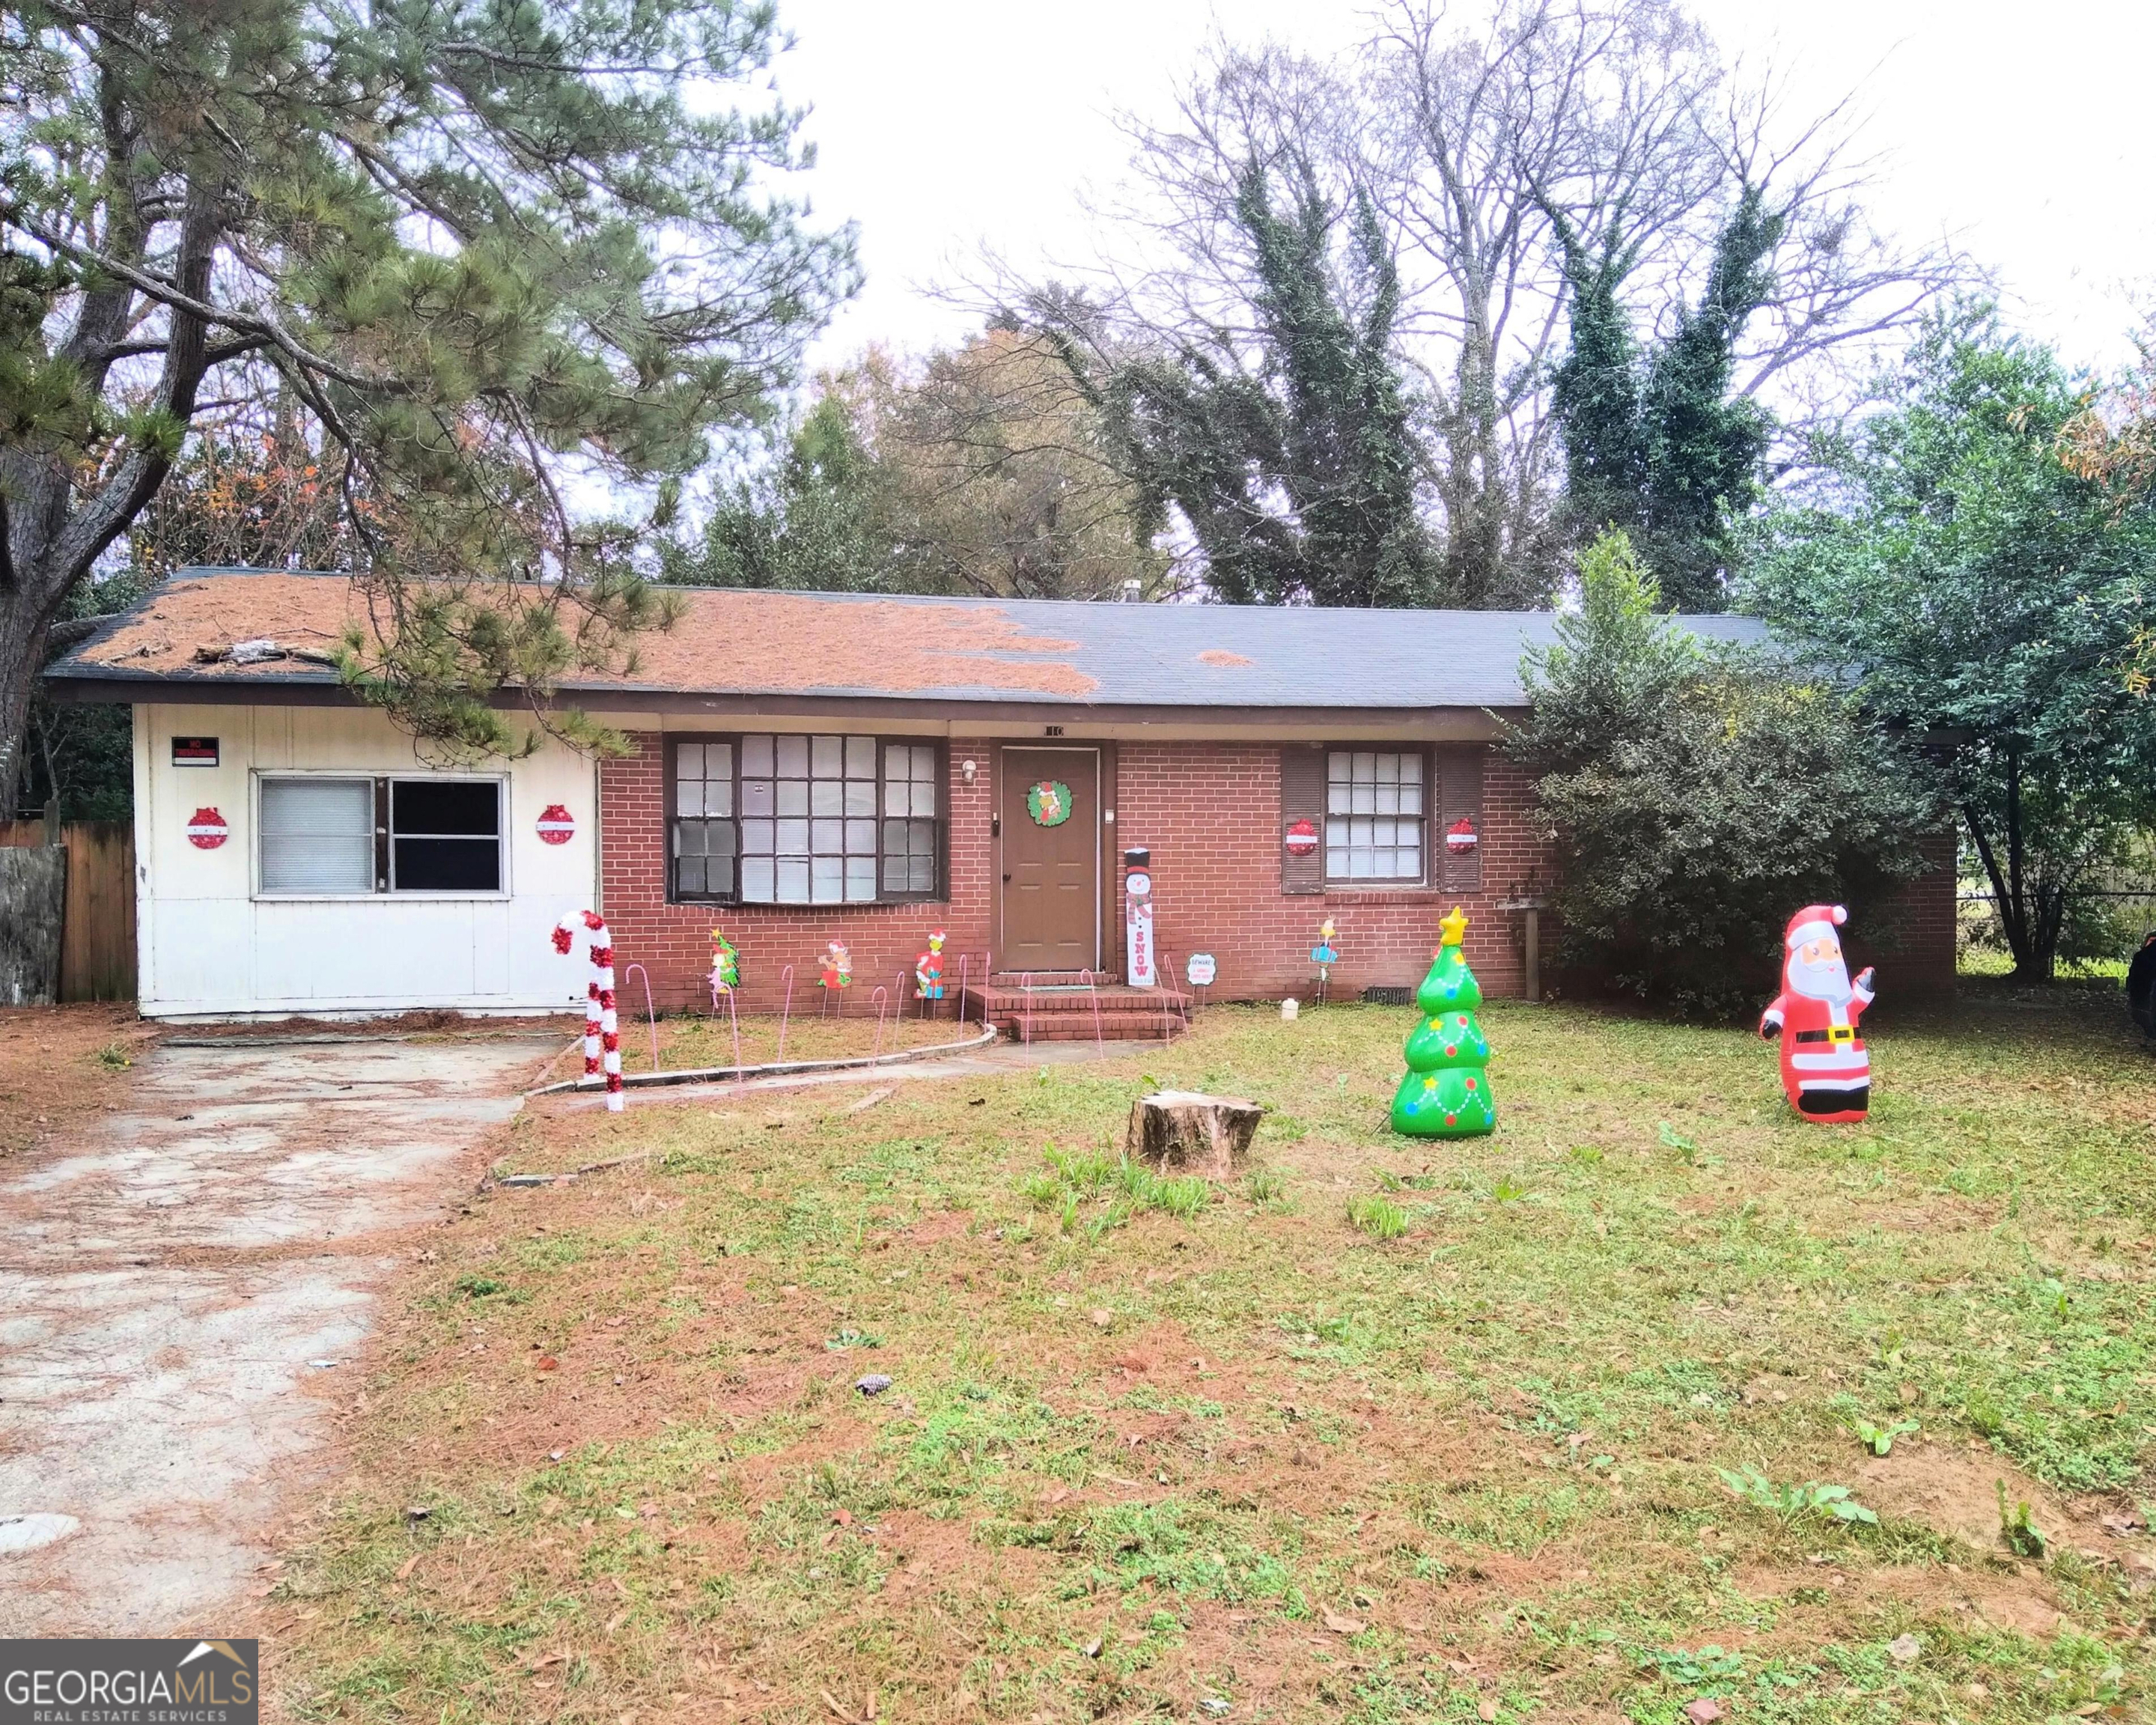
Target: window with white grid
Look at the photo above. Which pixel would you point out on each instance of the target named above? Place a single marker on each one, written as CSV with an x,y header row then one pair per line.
x,y
911,819
1373,815
706,838
805,820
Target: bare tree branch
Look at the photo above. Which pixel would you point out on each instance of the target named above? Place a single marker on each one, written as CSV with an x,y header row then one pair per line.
x,y
1465,127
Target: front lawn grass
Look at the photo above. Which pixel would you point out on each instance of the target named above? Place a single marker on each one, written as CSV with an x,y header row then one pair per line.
x,y
1544,1426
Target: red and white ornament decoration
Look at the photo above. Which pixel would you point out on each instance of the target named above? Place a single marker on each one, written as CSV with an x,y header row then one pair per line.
x,y
602,1027
556,825
1300,838
1461,837
207,830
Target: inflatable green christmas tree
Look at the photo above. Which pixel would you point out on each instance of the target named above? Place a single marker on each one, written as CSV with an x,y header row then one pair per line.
x,y
1446,1091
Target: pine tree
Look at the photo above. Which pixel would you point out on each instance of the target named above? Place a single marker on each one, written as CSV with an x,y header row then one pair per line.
x,y
497,255
1445,1093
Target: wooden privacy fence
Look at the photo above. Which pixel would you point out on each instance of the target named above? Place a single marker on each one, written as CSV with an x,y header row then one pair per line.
x,y
97,921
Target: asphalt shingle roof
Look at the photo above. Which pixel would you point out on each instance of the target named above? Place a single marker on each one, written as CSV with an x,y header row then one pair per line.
x,y
737,642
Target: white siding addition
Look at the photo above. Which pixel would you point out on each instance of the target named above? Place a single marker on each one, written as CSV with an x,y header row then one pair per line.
x,y
353,877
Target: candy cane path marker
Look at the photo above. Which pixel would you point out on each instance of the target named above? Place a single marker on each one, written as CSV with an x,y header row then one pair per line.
x,y
602,1027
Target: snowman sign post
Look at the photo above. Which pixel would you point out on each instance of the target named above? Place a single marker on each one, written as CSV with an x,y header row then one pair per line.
x,y
1138,917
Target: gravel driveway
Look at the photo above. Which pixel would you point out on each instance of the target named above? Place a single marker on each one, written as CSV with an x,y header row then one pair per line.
x,y
170,1286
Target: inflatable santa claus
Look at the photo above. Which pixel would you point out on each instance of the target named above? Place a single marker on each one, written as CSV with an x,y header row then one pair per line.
x,y
1824,1068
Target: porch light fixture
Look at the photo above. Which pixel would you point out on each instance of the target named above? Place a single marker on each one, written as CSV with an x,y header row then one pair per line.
x,y
968,769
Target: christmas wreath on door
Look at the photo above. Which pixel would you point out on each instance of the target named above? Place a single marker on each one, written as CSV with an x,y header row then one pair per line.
x,y
1049,803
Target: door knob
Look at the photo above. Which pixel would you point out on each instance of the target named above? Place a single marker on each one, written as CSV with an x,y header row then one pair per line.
x,y
1006,880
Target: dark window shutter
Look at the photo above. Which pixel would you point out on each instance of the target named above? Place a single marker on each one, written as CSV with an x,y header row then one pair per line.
x,y
1302,798
1459,798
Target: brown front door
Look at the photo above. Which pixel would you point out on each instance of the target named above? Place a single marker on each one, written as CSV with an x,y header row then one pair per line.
x,y
1051,888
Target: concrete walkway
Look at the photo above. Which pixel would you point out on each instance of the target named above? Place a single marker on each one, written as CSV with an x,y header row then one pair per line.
x,y
167,1291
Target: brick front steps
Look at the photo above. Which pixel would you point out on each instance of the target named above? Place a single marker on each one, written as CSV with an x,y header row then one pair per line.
x,y
1065,1014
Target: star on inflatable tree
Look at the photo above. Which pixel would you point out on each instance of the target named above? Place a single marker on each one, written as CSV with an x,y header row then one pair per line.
x,y
1446,1091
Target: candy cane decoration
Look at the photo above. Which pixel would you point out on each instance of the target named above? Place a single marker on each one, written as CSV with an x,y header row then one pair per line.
x,y
602,1028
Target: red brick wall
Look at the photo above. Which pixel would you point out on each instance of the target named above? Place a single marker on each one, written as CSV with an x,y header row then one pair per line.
x,y
1210,812
673,942
1912,940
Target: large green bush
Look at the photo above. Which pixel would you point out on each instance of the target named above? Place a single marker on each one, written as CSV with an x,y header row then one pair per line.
x,y
1696,794
1986,583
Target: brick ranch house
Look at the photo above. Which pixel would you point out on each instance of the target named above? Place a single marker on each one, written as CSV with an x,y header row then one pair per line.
x,y
807,766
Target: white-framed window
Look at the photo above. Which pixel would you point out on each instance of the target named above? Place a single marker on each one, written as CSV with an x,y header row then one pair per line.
x,y
324,835
768,819
1373,815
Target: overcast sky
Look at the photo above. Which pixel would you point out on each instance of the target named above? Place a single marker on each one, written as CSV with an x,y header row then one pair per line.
x,y
945,126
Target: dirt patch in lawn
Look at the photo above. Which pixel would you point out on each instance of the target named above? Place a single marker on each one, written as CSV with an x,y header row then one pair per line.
x,y
2015,1599
941,1228
62,1067
1956,1491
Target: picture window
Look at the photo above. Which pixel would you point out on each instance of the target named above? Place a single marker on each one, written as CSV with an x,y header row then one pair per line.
x,y
806,820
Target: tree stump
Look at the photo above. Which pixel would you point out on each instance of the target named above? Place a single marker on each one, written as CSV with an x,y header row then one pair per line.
x,y
1185,1131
